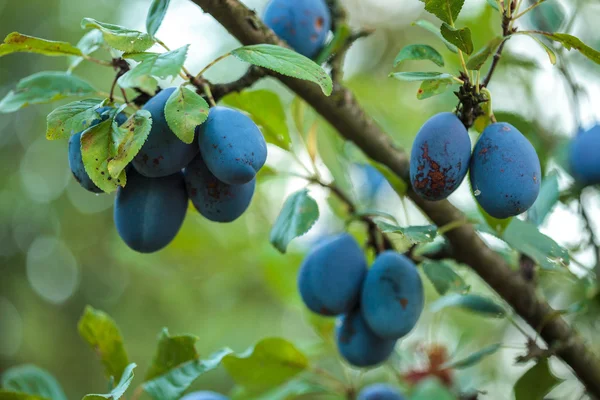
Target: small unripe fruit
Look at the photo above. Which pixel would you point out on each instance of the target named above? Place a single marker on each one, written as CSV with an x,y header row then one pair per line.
x,y
358,344
505,171
303,24
331,276
392,297
440,157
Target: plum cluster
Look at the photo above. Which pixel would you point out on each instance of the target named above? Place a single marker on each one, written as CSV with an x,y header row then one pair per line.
x,y
217,172
378,306
505,170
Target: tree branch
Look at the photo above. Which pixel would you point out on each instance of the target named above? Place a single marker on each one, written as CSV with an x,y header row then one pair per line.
x,y
344,113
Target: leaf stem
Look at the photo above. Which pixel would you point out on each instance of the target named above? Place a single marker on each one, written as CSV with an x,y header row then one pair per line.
x,y
209,94
462,62
224,56
95,60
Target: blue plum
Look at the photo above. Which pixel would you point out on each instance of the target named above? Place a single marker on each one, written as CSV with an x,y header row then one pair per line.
x,y
440,157
75,158
392,297
231,145
303,24
380,391
216,200
584,156
163,153
332,275
204,395
505,171
358,344
149,211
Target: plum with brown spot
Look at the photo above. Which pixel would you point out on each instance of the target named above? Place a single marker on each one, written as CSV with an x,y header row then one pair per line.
x,y
505,171
303,24
216,200
440,157
392,297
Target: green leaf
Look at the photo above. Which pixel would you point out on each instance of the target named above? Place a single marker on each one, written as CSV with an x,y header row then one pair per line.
x,y
431,389
172,385
420,76
286,62
477,60
548,16
547,199
330,147
44,87
494,4
474,358
72,118
415,234
127,140
102,334
298,215
152,65
97,149
119,390
89,43
340,39
536,383
184,111
446,10
549,51
436,31
443,277
526,238
7,395
266,111
18,43
470,302
497,225
120,38
32,380
419,52
156,14
172,351
272,362
461,38
433,88
397,183
571,42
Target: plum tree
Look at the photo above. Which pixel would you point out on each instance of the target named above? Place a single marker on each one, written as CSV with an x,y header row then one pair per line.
x,y
149,211
216,200
380,391
358,344
440,157
505,171
392,296
583,156
75,158
303,24
332,275
163,153
204,395
231,145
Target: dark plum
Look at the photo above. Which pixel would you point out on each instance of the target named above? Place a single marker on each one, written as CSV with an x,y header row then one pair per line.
x,y
332,275
440,157
216,200
584,157
392,297
380,391
75,158
505,171
204,395
231,145
303,24
149,211
163,153
358,344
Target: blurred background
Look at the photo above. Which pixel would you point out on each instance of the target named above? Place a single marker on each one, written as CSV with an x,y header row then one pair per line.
x,y
59,249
